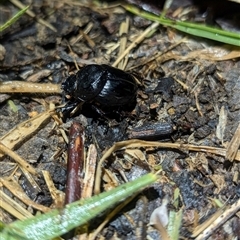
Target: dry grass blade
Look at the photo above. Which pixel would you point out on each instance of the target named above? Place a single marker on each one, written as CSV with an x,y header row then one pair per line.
x,y
90,169
218,219
222,122
24,130
213,53
18,159
11,206
123,43
18,192
233,146
205,225
135,143
32,14
90,42
31,180
135,43
57,195
86,30
162,231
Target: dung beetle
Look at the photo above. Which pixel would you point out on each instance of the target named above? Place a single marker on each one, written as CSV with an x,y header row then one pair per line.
x,y
104,85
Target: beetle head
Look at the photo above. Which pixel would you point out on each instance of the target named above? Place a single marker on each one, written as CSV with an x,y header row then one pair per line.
x,y
69,85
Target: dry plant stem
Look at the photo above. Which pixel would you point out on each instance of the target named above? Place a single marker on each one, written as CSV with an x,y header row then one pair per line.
x,y
234,144
162,230
18,192
75,162
197,104
136,42
18,159
135,143
123,42
31,180
222,122
90,42
158,56
25,130
200,228
90,169
57,195
32,14
230,211
28,87
88,182
86,30
13,207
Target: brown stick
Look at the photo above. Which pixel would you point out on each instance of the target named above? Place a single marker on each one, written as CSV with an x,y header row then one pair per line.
x,y
75,162
74,167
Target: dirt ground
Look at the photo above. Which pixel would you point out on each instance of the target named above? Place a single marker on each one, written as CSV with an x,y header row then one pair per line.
x,y
188,95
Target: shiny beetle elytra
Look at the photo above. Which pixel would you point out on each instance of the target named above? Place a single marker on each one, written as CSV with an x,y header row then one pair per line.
x,y
103,84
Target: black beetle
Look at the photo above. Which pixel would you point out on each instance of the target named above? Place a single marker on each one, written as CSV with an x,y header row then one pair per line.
x,y
103,84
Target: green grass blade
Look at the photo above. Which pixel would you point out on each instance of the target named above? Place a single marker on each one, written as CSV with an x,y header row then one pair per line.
x,y
195,29
13,19
60,221
174,224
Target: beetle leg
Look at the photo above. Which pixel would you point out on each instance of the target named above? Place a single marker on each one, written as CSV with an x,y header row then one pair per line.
x,y
109,115
100,112
70,108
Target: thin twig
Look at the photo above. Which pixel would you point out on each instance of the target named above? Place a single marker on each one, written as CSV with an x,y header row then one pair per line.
x,y
28,87
18,159
136,42
135,143
32,14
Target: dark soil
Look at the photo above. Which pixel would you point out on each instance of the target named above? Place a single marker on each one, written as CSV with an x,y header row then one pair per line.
x,y
181,99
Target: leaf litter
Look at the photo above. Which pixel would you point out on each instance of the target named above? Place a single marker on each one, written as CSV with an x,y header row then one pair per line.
x,y
200,158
